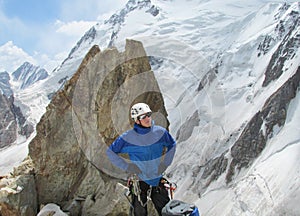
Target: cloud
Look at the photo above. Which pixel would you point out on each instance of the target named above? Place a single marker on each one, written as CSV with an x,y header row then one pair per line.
x,y
49,39
58,38
10,27
49,63
74,28
12,57
72,9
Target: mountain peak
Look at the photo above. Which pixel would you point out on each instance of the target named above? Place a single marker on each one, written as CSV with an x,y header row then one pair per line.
x,y
117,19
27,74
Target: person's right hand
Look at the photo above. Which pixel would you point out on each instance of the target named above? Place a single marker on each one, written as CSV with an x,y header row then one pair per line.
x,y
133,169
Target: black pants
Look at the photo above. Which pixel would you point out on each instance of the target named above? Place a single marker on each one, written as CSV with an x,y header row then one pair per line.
x,y
159,197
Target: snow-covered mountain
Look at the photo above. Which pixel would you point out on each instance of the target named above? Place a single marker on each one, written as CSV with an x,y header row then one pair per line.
x,y
11,57
218,64
28,74
5,87
14,126
207,27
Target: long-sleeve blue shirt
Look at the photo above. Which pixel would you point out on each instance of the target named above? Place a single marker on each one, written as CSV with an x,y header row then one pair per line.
x,y
145,147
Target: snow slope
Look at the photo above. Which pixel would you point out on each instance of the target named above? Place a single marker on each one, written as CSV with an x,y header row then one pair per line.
x,y
270,186
188,39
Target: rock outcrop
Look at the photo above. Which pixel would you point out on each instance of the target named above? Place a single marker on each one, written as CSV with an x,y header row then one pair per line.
x,y
262,126
5,87
8,125
18,194
12,122
252,140
69,163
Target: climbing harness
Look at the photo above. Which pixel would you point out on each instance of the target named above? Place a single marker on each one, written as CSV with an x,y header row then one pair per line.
x,y
134,185
171,186
134,188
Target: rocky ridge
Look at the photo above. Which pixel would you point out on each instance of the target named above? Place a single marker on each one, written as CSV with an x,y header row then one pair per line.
x,y
60,168
5,87
13,123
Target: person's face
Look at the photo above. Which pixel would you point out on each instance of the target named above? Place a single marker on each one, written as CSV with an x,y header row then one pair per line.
x,y
145,120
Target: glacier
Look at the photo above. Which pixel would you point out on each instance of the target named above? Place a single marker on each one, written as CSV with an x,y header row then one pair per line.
x,y
209,58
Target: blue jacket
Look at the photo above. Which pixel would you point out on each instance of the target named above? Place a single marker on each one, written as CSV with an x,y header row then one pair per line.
x,y
144,147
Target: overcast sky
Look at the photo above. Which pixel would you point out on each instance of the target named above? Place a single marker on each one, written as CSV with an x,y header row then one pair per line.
x,y
47,29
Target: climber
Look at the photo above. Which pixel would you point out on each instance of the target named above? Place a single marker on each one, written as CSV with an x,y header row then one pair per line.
x,y
151,149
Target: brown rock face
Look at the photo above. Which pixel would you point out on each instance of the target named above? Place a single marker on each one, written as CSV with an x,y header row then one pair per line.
x,y
68,152
18,195
8,124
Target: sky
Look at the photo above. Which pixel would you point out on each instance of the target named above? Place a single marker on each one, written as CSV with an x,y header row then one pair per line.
x,y
264,185
44,32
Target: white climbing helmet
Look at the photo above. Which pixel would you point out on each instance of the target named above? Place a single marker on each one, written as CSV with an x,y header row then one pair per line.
x,y
139,109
